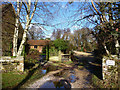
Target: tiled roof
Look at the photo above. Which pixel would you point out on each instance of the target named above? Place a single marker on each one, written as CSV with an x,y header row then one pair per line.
x,y
38,42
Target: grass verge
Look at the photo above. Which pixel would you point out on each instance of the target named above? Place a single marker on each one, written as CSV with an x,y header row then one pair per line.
x,y
20,79
98,83
12,79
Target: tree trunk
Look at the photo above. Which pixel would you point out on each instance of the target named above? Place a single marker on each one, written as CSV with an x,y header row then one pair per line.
x,y
23,41
108,53
15,38
117,48
28,19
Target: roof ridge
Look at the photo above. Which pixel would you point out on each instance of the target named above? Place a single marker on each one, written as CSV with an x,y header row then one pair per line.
x,y
38,42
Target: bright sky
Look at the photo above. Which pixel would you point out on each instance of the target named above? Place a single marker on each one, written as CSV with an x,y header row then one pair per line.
x,y
63,16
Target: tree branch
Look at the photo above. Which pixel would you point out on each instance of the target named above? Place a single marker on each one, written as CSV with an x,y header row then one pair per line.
x,y
35,5
101,19
25,7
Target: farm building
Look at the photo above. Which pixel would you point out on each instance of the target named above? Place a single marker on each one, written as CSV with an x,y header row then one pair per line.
x,y
38,44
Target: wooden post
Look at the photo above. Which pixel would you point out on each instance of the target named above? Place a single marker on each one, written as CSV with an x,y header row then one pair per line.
x,y
47,52
103,68
60,55
20,67
69,55
1,66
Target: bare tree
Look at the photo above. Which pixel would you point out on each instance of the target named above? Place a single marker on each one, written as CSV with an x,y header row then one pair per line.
x,y
82,38
104,16
15,38
61,34
35,33
57,34
28,18
30,9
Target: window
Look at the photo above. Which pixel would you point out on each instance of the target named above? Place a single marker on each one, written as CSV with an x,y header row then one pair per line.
x,y
35,46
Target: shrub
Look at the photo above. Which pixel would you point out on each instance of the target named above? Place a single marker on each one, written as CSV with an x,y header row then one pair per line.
x,y
61,44
33,56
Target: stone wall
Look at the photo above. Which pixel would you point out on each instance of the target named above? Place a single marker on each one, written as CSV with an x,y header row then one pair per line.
x,y
9,64
110,66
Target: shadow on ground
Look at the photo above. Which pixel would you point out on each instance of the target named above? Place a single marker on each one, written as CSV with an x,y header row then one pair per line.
x,y
56,84
91,63
28,76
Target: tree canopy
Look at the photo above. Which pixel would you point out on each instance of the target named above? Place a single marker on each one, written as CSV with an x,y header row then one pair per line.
x,y
61,44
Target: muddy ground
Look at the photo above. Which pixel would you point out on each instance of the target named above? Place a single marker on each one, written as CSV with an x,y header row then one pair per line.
x,y
69,76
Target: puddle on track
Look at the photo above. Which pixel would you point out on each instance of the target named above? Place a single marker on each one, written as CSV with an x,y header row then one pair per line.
x,y
44,71
52,84
69,74
72,78
47,69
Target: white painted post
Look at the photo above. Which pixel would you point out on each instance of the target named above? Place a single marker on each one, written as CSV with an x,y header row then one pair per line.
x,y
103,68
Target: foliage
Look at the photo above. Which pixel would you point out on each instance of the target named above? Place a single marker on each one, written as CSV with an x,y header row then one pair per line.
x,y
80,38
103,17
83,39
106,32
10,49
33,56
13,56
105,38
61,44
53,51
111,76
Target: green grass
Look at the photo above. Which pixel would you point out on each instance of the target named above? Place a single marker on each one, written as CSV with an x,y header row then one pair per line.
x,y
22,79
96,82
103,83
11,79
13,56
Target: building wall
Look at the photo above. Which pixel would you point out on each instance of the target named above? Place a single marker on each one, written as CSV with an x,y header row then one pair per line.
x,y
39,48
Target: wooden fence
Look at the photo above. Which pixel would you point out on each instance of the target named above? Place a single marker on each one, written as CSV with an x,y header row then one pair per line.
x,y
65,57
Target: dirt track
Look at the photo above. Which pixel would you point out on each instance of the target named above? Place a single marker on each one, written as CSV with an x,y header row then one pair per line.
x,y
82,53
82,75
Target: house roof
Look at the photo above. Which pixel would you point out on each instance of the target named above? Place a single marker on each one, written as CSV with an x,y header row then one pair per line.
x,y
38,42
